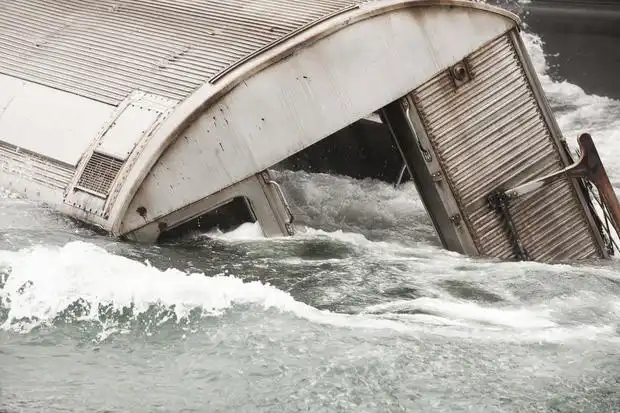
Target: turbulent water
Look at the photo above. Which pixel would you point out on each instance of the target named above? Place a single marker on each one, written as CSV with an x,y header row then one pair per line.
x,y
360,311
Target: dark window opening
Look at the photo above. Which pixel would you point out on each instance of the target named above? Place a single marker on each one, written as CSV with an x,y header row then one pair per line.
x,y
226,217
364,149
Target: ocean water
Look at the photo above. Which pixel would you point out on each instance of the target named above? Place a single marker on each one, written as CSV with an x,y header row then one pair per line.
x,y
361,311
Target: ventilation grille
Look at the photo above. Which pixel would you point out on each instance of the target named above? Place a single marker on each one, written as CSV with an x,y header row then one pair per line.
x,y
99,174
489,134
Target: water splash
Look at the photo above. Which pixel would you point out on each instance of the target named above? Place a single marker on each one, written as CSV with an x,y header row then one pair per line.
x,y
80,282
86,281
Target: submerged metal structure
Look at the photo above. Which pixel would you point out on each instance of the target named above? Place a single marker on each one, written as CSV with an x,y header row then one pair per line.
x,y
144,116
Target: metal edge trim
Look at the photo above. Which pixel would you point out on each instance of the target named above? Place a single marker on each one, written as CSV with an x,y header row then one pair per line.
x,y
451,203
383,8
419,3
281,40
90,192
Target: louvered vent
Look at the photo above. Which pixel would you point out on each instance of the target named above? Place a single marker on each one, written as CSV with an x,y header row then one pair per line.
x,y
99,173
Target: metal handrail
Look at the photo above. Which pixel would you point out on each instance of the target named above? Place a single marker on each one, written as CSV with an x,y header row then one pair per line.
x,y
283,199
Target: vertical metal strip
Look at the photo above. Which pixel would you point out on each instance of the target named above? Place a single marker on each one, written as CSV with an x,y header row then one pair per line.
x,y
463,227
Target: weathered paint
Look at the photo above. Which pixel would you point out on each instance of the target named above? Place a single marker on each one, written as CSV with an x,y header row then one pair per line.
x,y
491,133
274,113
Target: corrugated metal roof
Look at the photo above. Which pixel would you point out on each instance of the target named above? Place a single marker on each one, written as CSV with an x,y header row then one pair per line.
x,y
104,49
34,167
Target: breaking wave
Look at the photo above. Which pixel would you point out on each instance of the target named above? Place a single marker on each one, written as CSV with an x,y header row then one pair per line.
x,y
42,284
82,284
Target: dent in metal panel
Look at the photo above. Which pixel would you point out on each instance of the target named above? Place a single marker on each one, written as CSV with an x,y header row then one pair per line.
x,y
490,133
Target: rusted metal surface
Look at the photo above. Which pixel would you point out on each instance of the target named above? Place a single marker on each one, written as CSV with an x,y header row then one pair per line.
x,y
489,132
104,49
592,169
589,167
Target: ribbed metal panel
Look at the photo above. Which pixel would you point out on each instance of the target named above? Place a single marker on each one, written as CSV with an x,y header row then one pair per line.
x,y
99,174
490,133
33,167
104,49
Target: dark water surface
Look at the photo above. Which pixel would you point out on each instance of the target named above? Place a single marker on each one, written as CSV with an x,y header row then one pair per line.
x,y
362,311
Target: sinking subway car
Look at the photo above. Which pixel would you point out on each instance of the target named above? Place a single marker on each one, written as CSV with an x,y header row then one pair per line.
x,y
141,117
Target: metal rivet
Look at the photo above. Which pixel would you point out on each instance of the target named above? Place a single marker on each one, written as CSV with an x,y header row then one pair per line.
x,y
459,72
456,219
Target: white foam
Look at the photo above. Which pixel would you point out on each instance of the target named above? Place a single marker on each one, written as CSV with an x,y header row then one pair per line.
x,y
60,276
44,281
579,112
584,112
253,232
522,319
468,320
339,202
248,231
352,238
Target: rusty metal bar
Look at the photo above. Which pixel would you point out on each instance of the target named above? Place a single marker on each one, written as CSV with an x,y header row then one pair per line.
x,y
590,167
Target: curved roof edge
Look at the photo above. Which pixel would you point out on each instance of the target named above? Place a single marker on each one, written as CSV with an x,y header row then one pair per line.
x,y
369,9
189,109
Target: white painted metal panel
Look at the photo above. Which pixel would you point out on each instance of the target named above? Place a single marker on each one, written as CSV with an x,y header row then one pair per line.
x,y
306,97
34,168
9,87
490,133
265,204
50,122
127,130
